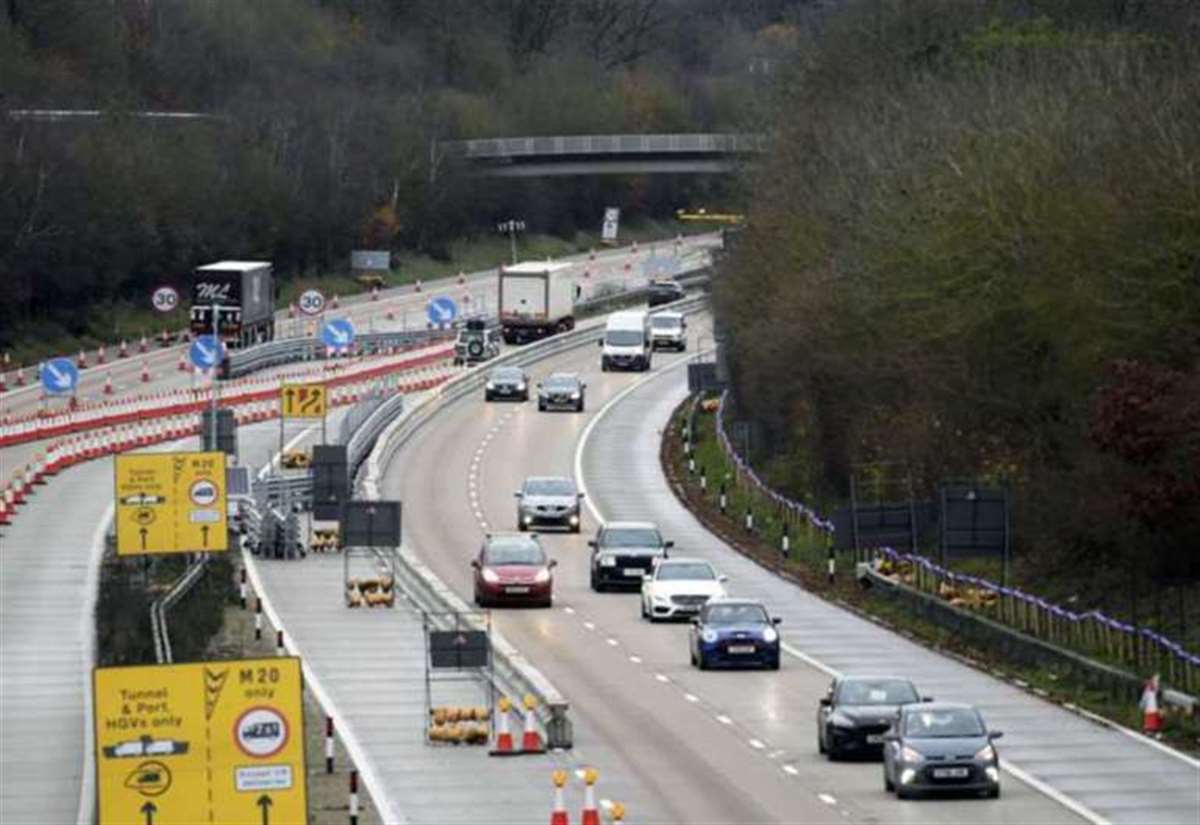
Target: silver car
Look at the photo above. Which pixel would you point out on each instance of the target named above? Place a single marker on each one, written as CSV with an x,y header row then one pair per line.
x,y
939,746
548,500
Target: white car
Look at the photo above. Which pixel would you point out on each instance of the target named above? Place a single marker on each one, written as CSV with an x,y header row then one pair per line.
x,y
679,587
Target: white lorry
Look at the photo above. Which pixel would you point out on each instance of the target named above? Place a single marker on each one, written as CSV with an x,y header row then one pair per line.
x,y
626,344
536,299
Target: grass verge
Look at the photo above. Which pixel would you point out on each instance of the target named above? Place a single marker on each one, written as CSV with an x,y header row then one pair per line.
x,y
805,566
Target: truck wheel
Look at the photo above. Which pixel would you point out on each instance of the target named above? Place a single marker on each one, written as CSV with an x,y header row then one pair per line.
x,y
562,326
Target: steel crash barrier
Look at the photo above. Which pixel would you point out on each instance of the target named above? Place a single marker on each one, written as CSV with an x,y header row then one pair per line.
x,y
514,674
288,351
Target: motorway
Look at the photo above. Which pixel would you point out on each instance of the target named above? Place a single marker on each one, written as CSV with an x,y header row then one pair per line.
x,y
683,746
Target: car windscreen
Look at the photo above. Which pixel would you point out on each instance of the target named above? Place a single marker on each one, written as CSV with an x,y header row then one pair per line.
x,y
684,571
630,537
624,337
560,382
942,724
876,692
549,487
735,614
507,374
665,323
515,551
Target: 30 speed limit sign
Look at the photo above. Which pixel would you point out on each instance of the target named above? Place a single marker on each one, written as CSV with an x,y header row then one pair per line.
x,y
311,302
165,299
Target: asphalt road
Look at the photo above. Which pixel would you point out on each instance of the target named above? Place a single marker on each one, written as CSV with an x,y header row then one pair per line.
x,y
690,746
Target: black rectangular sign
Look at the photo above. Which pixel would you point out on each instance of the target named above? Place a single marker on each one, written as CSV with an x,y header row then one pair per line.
x,y
331,481
226,431
371,524
458,649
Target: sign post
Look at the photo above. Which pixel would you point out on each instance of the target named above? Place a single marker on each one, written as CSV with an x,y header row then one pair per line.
x,y
171,503
512,227
216,742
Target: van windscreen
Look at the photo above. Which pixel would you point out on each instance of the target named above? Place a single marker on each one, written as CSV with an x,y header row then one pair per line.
x,y
623,337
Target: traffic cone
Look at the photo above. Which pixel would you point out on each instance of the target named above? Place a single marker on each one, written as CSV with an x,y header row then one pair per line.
x,y
590,816
108,387
462,277
20,376
334,303
165,339
4,519
182,363
3,382
592,254
559,815
144,346
123,352
82,362
374,293
145,371
504,740
291,310
418,289
635,247
1152,721
100,357
531,742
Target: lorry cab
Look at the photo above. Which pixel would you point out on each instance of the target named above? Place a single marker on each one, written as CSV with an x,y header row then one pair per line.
x,y
626,344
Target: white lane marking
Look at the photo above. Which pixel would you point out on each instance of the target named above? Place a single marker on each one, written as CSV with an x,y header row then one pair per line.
x,y
828,799
661,678
791,770
637,660
1146,740
581,484
568,610
612,642
589,625
691,697
724,720
757,744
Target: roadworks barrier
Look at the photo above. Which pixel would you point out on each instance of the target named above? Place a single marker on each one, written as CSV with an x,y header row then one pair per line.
x,y
376,592
460,725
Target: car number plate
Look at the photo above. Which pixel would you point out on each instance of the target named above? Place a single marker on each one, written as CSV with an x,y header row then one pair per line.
x,y
950,773
516,590
874,738
633,571
741,649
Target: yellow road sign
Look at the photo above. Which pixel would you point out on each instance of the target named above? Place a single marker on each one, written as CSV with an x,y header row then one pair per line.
x,y
303,400
170,503
211,742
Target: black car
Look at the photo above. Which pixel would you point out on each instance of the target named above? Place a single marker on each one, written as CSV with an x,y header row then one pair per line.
x,y
940,747
561,391
508,383
624,552
664,292
858,710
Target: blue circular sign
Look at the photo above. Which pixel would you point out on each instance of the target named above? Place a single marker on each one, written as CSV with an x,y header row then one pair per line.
x,y
441,310
338,333
59,375
206,352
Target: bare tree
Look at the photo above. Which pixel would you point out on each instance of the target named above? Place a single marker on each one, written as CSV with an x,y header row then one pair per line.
x,y
619,32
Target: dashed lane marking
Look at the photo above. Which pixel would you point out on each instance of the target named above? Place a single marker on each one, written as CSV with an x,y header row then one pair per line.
x,y
828,799
724,720
637,660
661,678
791,770
757,744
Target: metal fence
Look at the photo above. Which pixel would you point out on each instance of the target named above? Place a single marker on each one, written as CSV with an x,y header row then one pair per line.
x,y
290,350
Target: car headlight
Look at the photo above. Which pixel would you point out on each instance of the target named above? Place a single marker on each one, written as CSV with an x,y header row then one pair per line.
x,y
839,720
529,519
709,636
770,635
986,754
907,754
521,387
659,598
491,385
542,576
608,561
490,576
574,519
575,396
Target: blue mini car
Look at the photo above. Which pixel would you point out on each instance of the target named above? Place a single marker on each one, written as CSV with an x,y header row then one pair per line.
x,y
734,633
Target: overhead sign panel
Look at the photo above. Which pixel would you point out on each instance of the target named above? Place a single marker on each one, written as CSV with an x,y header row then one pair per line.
x,y
303,400
210,742
171,503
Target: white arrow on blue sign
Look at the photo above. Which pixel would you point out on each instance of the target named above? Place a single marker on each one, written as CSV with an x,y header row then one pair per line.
x,y
59,375
441,310
206,352
338,333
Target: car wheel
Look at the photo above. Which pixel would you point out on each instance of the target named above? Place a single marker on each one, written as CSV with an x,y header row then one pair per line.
x,y
579,407
576,528
603,365
645,612
887,783
521,525
773,664
487,396
904,793
702,663
541,407
596,583
547,603
821,744
994,793
692,656
525,396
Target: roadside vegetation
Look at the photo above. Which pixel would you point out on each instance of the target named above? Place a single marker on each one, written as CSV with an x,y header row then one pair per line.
x,y
974,252
322,128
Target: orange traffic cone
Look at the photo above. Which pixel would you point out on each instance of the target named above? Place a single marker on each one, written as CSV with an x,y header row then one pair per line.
x,y
462,277
100,359
1152,721
531,742
559,815
20,376
635,247
144,346
82,362
145,371
418,289
334,303
590,816
123,352
108,387
504,740
183,367
374,293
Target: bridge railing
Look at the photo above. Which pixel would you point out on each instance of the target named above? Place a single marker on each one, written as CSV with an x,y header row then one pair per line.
x,y
487,148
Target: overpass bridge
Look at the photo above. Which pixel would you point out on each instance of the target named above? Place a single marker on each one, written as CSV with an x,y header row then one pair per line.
x,y
606,154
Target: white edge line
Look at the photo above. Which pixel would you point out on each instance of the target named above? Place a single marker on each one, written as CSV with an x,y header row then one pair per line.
x,y
1033,782
388,810
1140,737
87,633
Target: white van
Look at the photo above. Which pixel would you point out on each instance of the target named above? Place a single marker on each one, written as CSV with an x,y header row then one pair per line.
x,y
626,342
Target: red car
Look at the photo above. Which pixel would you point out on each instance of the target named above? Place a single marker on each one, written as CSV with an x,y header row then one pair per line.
x,y
512,568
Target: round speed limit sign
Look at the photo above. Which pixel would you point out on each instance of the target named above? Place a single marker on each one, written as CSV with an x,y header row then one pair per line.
x,y
165,299
311,302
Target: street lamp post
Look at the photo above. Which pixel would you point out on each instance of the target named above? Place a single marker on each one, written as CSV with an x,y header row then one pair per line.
x,y
512,227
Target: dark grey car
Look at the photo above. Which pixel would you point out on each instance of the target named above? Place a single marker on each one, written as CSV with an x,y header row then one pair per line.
x,y
509,383
561,391
858,710
624,552
548,500
940,747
